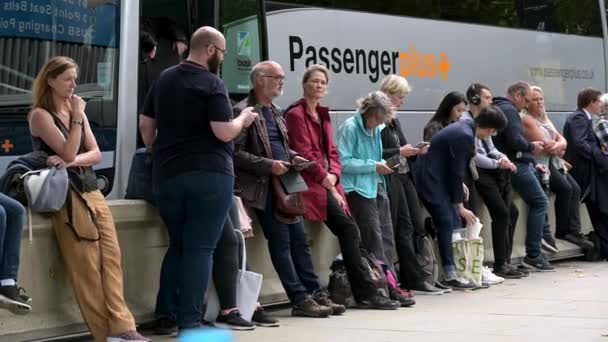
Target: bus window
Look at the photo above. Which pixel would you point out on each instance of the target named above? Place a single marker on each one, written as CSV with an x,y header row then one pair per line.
x,y
238,22
30,34
571,17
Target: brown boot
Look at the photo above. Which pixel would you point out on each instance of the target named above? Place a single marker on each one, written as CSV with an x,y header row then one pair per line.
x,y
309,308
322,298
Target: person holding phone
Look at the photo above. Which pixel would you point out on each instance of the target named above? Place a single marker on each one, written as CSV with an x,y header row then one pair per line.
x,y
404,202
310,134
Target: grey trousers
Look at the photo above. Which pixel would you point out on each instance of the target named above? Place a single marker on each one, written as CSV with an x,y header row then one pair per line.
x,y
373,216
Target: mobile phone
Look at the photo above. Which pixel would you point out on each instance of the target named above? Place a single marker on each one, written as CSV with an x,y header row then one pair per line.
x,y
395,166
393,162
422,144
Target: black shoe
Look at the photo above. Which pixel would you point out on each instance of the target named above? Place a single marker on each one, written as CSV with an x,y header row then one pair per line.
x,y
539,264
396,296
378,302
460,284
233,321
263,319
521,268
549,244
508,272
322,298
424,288
443,287
10,299
579,240
165,327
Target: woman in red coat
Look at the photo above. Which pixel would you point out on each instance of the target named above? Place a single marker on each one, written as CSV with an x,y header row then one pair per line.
x,y
309,130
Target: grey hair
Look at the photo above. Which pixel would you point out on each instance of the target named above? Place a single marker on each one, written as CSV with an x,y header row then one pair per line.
x,y
376,103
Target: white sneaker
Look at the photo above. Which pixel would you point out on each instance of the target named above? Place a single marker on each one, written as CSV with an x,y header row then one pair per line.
x,y
488,277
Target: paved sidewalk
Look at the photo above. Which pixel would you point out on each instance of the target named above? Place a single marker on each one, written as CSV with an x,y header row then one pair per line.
x,y
568,305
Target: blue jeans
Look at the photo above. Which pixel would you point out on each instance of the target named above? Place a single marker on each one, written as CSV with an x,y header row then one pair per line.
x,y
531,191
445,219
290,254
12,217
194,207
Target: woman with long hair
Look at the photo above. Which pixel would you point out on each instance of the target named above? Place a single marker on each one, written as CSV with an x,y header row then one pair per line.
x,y
450,109
84,227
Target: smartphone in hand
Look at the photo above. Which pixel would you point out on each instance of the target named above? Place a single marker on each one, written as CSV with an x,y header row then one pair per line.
x,y
422,144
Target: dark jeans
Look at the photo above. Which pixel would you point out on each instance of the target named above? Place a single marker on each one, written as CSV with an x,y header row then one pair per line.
x,y
194,207
373,216
347,232
494,187
531,191
567,202
413,202
445,219
410,272
226,264
12,217
289,252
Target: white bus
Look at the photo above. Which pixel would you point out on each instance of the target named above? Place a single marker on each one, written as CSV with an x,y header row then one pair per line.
x,y
439,45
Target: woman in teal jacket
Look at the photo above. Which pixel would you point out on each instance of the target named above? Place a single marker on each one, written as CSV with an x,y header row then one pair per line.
x,y
360,149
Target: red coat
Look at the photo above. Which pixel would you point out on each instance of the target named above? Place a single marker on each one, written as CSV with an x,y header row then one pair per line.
x,y
305,138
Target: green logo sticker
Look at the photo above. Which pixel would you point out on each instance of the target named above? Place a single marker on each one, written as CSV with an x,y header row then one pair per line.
x,y
244,43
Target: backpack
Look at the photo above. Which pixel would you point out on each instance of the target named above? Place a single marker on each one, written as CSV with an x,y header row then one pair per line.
x,y
595,253
339,285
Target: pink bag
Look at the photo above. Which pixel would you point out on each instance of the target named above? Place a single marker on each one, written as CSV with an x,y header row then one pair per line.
x,y
244,219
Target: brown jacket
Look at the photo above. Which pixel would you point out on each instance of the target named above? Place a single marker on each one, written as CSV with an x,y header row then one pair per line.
x,y
253,156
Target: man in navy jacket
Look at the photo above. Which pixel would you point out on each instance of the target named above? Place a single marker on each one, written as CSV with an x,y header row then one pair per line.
x,y
589,162
439,181
511,142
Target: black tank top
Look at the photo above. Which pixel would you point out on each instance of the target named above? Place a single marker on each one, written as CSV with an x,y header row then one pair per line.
x,y
82,178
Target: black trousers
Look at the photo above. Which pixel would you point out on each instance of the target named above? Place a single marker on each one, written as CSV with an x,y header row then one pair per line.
x,y
567,202
347,232
494,187
599,220
405,226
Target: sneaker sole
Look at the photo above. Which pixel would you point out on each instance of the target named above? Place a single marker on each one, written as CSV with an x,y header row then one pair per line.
x,y
549,248
511,276
267,325
305,314
14,306
534,268
233,327
371,307
427,293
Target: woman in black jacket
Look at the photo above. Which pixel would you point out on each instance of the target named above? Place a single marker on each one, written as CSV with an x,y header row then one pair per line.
x,y
405,207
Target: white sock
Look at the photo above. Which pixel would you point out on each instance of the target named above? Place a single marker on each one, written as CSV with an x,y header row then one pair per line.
x,y
8,282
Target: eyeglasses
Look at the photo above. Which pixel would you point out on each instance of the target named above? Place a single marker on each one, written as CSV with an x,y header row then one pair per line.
x,y
276,78
224,51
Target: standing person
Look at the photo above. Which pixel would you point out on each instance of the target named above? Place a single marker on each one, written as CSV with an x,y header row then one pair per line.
x,y
518,149
404,202
310,135
189,109
439,180
12,218
589,162
262,152
89,247
450,110
538,127
363,170
494,187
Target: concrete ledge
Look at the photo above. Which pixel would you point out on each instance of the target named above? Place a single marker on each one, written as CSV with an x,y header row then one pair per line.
x,y
143,241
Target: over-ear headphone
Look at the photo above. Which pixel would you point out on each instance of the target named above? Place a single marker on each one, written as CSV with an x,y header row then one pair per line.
x,y
475,99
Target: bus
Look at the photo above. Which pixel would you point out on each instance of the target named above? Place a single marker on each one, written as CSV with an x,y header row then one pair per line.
x,y
438,45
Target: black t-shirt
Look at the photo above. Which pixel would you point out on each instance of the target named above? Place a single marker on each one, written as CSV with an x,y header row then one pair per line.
x,y
184,100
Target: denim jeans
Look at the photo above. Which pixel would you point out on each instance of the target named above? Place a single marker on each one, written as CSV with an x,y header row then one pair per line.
x,y
12,217
529,188
290,254
194,207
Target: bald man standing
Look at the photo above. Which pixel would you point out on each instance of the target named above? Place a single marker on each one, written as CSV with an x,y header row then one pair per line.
x,y
188,122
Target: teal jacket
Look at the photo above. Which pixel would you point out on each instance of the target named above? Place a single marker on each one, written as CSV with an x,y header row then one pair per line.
x,y
359,152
